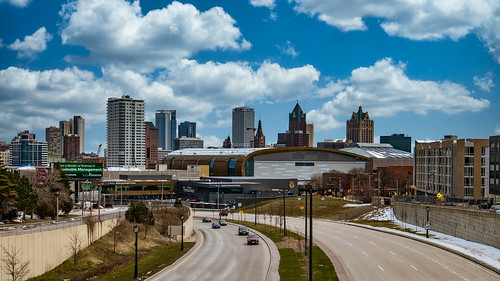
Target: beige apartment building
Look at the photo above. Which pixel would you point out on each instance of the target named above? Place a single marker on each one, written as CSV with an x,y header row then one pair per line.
x,y
456,168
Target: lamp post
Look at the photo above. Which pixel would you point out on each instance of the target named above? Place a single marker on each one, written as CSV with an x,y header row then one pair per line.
x,y
305,223
284,213
255,202
397,186
136,231
182,232
310,190
428,223
57,204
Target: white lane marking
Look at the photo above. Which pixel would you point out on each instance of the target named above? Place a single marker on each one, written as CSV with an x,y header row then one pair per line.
x,y
213,256
355,236
373,243
392,253
364,253
228,270
380,268
349,244
413,267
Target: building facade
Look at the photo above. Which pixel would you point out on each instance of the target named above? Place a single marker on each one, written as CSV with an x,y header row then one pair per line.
x,y
151,145
125,133
360,128
456,168
4,154
328,143
71,147
185,142
26,150
398,141
243,127
166,123
310,131
53,139
187,129
495,165
297,134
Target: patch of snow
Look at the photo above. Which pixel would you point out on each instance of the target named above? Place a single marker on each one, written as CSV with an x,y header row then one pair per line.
x,y
355,205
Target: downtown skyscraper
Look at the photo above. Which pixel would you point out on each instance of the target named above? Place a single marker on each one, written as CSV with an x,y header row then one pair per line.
x,y
166,123
243,127
125,133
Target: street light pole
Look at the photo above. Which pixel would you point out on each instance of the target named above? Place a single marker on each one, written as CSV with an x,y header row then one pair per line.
x,y
284,213
182,232
136,231
57,205
427,225
310,235
255,201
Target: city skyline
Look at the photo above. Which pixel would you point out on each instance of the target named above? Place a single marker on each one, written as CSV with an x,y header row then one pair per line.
x,y
424,77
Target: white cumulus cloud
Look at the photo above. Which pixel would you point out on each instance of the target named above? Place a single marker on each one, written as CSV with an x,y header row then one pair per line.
x,y
288,49
416,20
32,44
264,3
384,90
485,83
116,32
17,3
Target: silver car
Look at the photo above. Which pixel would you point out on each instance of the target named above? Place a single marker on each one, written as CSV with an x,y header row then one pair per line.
x,y
495,208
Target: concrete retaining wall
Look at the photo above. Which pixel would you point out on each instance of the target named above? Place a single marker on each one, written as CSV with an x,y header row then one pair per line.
x,y
476,226
46,250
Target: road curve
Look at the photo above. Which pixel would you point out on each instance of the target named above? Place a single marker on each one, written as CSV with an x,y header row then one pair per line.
x,y
220,255
372,255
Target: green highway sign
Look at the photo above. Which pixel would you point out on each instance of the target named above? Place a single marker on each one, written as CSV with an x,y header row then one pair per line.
x,y
76,170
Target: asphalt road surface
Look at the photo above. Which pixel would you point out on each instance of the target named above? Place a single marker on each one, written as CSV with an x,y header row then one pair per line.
x,y
221,255
373,255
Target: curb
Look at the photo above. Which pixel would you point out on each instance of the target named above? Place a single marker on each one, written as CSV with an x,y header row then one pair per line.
x,y
431,243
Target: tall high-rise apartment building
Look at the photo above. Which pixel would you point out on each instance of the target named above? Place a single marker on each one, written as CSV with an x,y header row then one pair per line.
x,y
53,139
360,128
187,129
125,133
71,147
398,141
457,168
26,150
243,127
166,123
78,128
297,134
4,154
151,145
310,131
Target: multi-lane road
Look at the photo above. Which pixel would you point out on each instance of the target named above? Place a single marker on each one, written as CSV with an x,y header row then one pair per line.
x,y
220,255
364,254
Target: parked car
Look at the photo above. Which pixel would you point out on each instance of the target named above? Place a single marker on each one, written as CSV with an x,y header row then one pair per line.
x,y
495,208
242,230
206,219
253,239
223,222
215,225
223,213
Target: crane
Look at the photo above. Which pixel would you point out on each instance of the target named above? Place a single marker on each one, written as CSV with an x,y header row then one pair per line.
x,y
98,151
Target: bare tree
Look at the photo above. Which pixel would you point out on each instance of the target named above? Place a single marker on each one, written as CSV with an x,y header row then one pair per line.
x,y
75,246
316,180
113,224
12,264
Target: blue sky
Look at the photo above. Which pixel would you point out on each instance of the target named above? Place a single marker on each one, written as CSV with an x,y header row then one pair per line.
x,y
422,68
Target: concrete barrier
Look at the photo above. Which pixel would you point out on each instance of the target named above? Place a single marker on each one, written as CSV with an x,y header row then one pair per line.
x,y
473,225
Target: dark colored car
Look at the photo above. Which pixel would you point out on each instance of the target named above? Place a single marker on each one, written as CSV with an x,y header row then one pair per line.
x,y
253,239
223,222
215,225
243,230
206,219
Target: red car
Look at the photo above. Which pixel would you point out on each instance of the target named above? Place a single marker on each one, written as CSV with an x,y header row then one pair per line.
x,y
253,239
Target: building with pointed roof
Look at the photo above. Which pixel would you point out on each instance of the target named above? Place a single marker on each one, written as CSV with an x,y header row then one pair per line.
x,y
297,134
259,140
360,128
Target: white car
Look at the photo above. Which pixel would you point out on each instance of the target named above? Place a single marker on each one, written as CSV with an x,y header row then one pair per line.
x,y
495,208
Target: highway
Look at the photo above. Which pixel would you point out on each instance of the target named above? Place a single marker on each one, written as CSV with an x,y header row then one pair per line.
x,y
220,254
372,255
